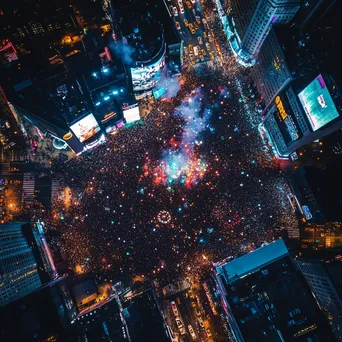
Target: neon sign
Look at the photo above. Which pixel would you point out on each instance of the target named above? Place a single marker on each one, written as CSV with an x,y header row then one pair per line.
x,y
280,107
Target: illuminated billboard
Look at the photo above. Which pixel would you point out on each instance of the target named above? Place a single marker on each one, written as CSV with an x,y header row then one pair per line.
x,y
131,114
318,104
286,121
85,128
145,77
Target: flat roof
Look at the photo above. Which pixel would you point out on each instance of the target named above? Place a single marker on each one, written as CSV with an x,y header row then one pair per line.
x,y
252,261
273,303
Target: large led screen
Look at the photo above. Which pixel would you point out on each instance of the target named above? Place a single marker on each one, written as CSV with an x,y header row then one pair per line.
x,y
131,114
318,104
146,77
85,128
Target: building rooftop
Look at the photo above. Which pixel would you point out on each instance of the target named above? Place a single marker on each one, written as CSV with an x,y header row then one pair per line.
x,y
145,26
248,263
144,319
266,299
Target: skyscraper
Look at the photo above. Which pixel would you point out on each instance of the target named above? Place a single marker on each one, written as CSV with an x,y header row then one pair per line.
x,y
18,268
325,288
271,73
251,21
265,298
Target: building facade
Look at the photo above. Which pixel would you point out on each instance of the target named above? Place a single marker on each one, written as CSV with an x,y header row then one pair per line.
x,y
296,119
265,298
18,267
271,73
328,298
251,21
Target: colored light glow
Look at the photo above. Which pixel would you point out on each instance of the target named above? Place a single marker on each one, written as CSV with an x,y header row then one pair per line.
x,y
85,128
318,103
180,161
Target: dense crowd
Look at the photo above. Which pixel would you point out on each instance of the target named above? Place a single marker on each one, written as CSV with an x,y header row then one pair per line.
x,y
113,218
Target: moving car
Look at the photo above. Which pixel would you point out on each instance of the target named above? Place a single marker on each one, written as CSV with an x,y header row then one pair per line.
x,y
200,321
182,331
192,333
175,11
192,28
178,25
181,8
205,23
200,40
186,23
179,323
174,309
198,19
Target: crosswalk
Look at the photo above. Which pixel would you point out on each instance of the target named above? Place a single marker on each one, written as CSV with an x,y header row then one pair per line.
x,y
4,169
28,187
55,189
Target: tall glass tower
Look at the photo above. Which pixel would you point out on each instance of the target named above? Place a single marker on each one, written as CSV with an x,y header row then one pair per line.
x,y
18,268
250,21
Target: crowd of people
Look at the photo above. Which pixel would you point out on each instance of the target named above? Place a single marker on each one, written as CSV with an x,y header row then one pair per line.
x,y
112,220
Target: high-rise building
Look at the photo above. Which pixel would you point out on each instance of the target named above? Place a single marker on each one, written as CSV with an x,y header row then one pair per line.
x,y
265,298
297,118
43,315
271,73
24,20
321,237
143,317
323,283
317,193
249,23
18,267
25,260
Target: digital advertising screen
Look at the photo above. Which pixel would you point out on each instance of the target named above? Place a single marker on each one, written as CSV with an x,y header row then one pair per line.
x,y
85,128
318,103
131,114
286,121
144,78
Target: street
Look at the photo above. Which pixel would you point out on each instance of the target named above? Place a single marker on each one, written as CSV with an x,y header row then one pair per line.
x,y
193,28
190,310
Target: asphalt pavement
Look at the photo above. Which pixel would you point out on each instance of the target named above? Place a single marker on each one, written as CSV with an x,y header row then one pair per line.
x,y
192,27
